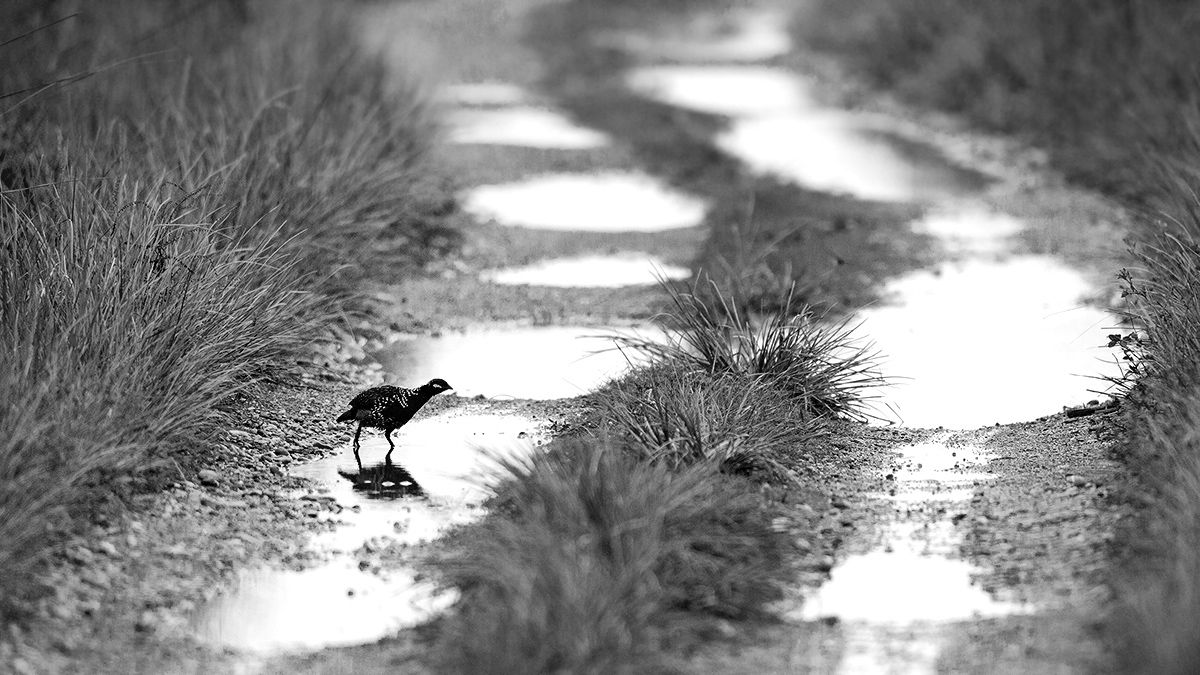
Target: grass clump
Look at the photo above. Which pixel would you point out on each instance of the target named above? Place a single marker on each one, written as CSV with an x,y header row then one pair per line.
x,y
591,552
1160,594
818,363
186,196
678,416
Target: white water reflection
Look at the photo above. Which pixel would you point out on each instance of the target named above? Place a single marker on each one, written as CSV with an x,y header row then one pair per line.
x,y
980,342
437,478
896,601
779,127
735,91
272,611
601,202
595,271
522,126
534,362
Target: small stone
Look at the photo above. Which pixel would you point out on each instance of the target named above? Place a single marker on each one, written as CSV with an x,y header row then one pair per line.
x,y
1077,481
208,477
839,503
146,623
803,545
107,548
981,520
825,564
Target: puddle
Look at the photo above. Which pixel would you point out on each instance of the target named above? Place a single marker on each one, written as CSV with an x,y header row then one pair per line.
x,y
597,271
780,128
895,602
738,36
534,362
437,479
601,202
980,342
522,126
734,91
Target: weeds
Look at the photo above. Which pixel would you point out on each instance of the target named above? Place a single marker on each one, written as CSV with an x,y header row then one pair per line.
x,y
593,549
178,218
818,363
681,417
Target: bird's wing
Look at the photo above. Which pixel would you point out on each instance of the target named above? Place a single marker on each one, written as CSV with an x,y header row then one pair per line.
x,y
368,398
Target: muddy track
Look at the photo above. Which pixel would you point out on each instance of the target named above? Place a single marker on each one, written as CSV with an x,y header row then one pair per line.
x,y
1022,511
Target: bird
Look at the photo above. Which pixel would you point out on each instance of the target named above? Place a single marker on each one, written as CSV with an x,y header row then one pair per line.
x,y
389,408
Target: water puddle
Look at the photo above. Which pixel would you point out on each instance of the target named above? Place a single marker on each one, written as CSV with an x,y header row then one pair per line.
x,y
437,478
743,35
532,362
522,126
987,338
601,202
779,127
896,602
596,271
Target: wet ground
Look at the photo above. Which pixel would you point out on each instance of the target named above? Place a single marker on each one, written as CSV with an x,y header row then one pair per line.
x,y
980,290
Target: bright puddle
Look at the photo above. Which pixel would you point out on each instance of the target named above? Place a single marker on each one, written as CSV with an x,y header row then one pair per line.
x,y
896,602
436,479
532,362
522,126
597,271
599,202
779,127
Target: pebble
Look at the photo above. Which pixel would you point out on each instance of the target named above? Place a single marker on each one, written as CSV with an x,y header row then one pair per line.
x,y
107,548
208,477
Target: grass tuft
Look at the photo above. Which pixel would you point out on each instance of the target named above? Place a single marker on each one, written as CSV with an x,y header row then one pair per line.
x,y
591,549
817,362
670,414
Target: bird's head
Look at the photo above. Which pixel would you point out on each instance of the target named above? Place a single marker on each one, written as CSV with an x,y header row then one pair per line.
x,y
437,385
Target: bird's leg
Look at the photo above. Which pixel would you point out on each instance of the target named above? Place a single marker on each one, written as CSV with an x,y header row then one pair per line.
x,y
387,433
356,458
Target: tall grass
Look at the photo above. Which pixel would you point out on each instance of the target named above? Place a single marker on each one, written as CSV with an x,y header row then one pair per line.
x,y
679,417
1160,594
594,551
816,360
189,192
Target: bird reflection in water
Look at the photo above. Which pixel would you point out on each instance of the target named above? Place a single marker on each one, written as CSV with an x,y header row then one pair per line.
x,y
383,481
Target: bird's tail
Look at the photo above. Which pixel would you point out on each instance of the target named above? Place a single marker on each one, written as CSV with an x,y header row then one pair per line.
x,y
348,415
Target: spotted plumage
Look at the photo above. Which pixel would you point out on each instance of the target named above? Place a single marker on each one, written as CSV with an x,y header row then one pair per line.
x,y
389,408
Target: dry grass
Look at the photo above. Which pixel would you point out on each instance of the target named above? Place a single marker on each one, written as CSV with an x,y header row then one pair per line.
x,y
589,552
186,193
815,360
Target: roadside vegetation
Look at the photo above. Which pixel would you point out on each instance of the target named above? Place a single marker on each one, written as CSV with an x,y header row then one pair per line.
x,y
643,532
1110,88
189,192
